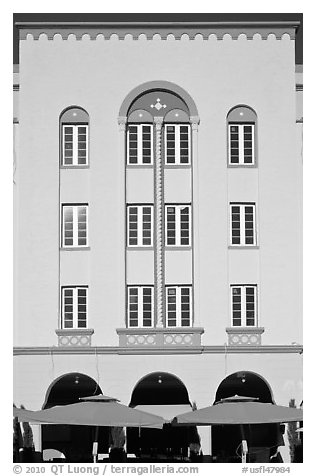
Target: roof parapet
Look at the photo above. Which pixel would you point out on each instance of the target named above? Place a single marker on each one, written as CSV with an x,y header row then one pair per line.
x,y
121,29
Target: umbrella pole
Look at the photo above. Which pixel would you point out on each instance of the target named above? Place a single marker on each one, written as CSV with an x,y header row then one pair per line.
x,y
95,445
244,445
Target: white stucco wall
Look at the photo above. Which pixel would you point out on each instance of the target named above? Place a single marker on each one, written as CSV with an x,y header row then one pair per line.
x,y
97,75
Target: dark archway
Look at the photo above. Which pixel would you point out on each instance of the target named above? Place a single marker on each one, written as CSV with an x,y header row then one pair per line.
x,y
159,388
246,384
74,441
263,440
156,390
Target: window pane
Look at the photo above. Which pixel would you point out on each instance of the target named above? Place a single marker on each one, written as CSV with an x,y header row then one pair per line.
x,y
234,144
146,139
185,307
184,144
185,232
147,306
235,223
133,307
171,144
82,226
132,144
132,225
147,226
68,226
171,226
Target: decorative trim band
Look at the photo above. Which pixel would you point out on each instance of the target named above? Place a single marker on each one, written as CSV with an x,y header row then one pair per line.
x,y
74,337
73,332
163,29
246,330
160,330
210,349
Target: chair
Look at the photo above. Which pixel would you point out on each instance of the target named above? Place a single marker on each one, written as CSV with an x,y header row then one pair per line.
x,y
51,454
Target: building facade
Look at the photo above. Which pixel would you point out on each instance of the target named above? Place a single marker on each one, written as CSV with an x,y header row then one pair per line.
x,y
158,208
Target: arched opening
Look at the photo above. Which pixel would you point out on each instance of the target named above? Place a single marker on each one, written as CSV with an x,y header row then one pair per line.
x,y
74,441
173,88
74,137
164,394
263,440
175,115
242,133
246,384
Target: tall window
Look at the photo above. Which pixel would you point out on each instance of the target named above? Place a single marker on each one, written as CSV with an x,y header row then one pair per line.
x,y
74,225
74,307
178,225
244,305
241,136
179,306
74,137
140,144
243,224
177,144
140,225
140,306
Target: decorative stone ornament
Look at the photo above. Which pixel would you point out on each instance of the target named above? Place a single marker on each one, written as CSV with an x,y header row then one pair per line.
x,y
158,105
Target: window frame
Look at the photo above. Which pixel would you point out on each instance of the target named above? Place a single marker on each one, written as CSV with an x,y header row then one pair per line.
x,y
75,305
140,306
177,161
75,144
75,231
178,309
140,225
178,223
243,305
242,221
139,156
241,149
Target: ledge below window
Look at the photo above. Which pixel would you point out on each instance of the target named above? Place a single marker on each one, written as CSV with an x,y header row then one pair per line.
x,y
160,336
244,335
74,337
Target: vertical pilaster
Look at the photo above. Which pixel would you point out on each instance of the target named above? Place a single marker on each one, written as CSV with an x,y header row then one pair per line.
x,y
195,221
159,220
121,303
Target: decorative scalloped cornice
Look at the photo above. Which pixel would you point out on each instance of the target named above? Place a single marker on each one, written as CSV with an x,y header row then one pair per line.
x,y
163,29
204,349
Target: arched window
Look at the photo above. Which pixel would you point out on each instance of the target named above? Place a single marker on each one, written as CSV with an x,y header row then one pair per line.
x,y
74,133
242,122
176,124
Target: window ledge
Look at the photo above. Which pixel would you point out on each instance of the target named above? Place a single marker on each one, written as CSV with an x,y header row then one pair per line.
x,y
77,167
177,166
178,248
242,166
75,248
139,166
139,248
243,247
74,337
160,337
244,335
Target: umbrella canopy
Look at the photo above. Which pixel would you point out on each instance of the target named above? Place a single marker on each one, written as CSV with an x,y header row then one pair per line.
x,y
165,411
92,411
239,411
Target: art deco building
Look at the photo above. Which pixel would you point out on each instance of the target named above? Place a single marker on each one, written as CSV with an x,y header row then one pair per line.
x,y
158,177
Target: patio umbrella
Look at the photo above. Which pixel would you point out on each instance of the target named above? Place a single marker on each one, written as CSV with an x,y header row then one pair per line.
x,y
241,411
97,411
